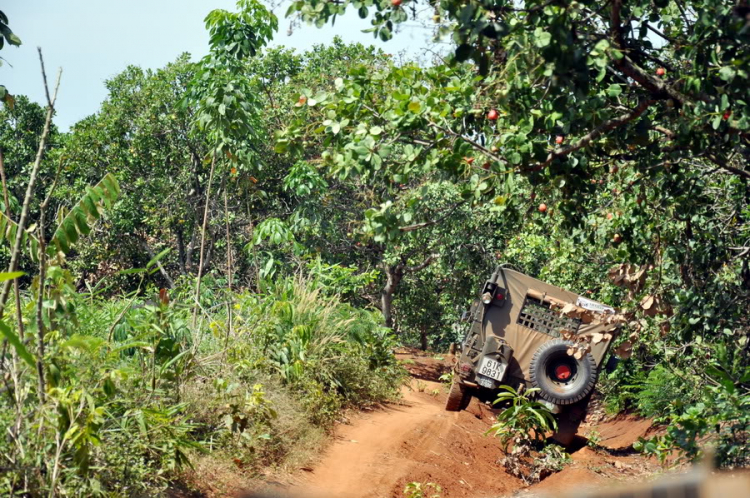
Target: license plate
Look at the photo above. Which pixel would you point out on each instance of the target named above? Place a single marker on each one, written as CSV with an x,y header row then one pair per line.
x,y
492,368
485,382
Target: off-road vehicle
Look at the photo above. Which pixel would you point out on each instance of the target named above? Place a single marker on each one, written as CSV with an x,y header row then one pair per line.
x,y
525,332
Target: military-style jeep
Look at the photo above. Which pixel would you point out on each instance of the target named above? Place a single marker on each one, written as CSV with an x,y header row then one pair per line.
x,y
522,331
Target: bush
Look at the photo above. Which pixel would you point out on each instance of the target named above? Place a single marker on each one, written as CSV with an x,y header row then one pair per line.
x,y
135,392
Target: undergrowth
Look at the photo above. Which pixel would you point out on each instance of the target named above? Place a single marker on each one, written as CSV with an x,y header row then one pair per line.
x,y
136,394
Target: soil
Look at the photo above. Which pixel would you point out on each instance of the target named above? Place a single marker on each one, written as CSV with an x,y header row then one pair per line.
x,y
379,452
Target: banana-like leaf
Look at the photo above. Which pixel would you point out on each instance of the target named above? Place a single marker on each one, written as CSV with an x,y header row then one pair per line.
x,y
71,224
16,342
8,231
76,222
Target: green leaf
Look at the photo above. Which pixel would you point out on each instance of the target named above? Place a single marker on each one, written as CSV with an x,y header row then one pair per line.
x,y
14,341
10,276
415,106
158,257
105,193
727,73
542,38
614,90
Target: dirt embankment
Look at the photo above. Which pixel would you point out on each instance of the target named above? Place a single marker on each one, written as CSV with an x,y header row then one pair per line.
x,y
380,451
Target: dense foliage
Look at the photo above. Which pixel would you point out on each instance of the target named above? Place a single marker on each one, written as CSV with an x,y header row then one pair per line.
x,y
231,234
602,134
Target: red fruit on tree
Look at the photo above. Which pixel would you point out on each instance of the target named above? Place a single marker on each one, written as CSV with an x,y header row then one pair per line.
x,y
609,216
617,238
559,139
486,166
661,71
533,196
726,114
542,208
469,160
493,115
396,3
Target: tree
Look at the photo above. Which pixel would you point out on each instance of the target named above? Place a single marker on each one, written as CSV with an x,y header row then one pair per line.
x,y
7,35
628,120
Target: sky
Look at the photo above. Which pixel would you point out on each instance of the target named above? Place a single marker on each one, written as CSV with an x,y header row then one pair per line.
x,y
93,40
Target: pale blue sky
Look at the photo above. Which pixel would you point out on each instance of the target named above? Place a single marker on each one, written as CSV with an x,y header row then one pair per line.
x,y
92,40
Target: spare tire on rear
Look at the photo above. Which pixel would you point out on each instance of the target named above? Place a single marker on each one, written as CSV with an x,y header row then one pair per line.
x,y
562,379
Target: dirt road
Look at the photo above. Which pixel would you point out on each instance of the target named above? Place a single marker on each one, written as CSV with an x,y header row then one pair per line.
x,y
381,451
416,441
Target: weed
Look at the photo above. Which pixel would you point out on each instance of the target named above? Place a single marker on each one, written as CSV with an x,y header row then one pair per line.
x,y
422,490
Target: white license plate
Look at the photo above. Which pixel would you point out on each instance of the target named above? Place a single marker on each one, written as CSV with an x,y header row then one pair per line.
x,y
492,368
485,382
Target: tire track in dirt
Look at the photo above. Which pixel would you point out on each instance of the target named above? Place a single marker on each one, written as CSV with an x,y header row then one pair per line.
x,y
379,452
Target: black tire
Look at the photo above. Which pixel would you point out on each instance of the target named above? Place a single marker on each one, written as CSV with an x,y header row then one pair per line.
x,y
566,431
459,397
577,386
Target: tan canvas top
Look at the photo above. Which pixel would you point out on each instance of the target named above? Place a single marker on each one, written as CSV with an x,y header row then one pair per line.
x,y
501,321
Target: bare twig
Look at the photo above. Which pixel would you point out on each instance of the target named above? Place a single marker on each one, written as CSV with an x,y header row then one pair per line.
x,y
421,266
162,270
203,239
42,283
16,251
230,300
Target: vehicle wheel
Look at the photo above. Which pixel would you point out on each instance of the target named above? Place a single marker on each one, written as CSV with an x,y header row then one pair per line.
x,y
459,398
561,378
566,431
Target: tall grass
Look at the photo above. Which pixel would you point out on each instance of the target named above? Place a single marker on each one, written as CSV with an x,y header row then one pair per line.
x,y
136,395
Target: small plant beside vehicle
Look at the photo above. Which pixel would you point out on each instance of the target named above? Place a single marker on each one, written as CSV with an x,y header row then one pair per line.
x,y
522,428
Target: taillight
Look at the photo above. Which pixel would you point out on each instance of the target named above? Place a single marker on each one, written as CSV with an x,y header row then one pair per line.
x,y
465,367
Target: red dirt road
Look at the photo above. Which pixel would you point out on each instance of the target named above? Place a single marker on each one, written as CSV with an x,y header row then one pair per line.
x,y
379,452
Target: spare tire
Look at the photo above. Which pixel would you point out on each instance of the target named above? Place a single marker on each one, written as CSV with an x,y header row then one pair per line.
x,y
562,379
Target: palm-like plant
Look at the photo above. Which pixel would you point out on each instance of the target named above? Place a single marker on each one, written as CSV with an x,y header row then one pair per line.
x,y
524,422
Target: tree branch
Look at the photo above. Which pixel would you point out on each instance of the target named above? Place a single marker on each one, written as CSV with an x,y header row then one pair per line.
x,y
473,143
424,264
721,164
417,226
594,134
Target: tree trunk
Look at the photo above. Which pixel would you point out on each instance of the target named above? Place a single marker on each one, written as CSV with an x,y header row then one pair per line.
x,y
394,274
203,241
181,250
423,338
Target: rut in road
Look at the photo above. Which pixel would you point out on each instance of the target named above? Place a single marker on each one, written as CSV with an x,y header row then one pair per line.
x,y
382,451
